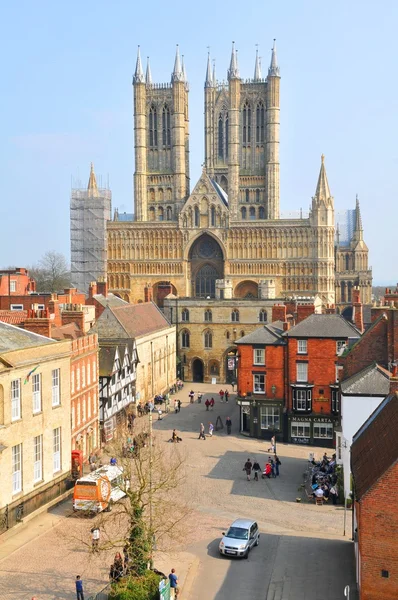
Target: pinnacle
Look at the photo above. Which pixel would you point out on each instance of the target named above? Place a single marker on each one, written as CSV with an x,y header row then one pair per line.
x,y
139,73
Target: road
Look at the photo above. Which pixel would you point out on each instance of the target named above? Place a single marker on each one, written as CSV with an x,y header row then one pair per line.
x,y
302,553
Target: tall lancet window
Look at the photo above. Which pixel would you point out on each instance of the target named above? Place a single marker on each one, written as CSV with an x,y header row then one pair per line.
x,y
260,123
220,137
166,138
246,123
153,127
226,137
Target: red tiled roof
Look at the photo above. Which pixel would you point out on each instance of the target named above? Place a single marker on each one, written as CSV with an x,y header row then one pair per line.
x,y
70,331
140,319
13,317
375,446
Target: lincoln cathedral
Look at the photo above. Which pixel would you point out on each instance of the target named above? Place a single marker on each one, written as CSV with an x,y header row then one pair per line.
x,y
223,240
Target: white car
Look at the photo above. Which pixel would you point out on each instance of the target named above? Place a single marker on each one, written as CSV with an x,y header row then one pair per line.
x,y
240,538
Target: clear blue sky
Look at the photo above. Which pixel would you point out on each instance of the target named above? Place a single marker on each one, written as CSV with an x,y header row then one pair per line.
x,y
66,100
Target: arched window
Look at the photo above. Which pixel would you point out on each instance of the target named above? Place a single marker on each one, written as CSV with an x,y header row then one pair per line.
x,y
347,262
168,213
220,137
185,315
208,339
213,216
185,339
261,212
208,316
257,195
247,117
197,217
151,213
243,211
166,126
262,316
247,195
205,281
260,123
235,316
160,213
252,213
153,127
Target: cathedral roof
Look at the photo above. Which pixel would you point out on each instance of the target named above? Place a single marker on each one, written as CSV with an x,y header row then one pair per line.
x,y
220,192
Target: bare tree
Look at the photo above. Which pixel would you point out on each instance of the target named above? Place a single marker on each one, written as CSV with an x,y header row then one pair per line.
x,y
52,272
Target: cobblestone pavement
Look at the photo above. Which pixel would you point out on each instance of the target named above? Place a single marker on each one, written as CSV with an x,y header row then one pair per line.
x,y
302,553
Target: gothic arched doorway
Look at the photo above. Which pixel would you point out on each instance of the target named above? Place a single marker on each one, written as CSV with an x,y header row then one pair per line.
x,y
207,265
197,370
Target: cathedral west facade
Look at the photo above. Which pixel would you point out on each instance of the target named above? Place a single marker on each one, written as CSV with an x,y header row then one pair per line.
x,y
224,241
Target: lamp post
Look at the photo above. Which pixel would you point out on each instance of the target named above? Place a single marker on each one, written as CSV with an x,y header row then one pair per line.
x,y
150,407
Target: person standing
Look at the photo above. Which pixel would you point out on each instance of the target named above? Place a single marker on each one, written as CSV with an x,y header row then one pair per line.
x,y
79,588
202,432
248,468
207,404
95,538
176,406
228,424
179,405
273,448
159,414
173,583
226,394
212,403
256,469
277,463
221,394
211,429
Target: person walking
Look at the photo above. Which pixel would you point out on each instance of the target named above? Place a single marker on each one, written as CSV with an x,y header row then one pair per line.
x,y
211,429
221,394
173,578
176,406
256,469
277,464
95,538
228,424
273,448
179,405
212,403
202,432
159,414
207,404
248,468
226,394
79,588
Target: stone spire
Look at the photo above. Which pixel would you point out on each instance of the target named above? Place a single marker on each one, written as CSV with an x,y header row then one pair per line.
x,y
273,70
233,71
358,229
92,187
139,73
184,73
209,79
214,73
322,188
177,74
257,67
148,75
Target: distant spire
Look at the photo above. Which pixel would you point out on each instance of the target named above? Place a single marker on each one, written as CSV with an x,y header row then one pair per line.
x,y
184,74
177,74
209,78
214,73
273,70
148,75
322,188
92,187
257,67
358,218
233,71
139,73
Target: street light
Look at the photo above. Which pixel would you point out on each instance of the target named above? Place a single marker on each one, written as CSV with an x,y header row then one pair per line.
x,y
150,408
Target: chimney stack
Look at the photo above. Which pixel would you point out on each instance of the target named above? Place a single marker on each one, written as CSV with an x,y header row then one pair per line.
x,y
279,313
357,310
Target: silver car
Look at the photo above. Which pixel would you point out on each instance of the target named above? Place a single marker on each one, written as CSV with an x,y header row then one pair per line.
x,y
240,538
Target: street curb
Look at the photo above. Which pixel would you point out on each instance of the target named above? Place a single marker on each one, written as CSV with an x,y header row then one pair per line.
x,y
190,577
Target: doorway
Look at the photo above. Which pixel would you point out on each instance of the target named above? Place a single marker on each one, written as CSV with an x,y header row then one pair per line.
x,y
197,370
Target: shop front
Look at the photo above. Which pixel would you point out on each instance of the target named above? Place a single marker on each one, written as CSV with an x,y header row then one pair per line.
x,y
312,430
261,417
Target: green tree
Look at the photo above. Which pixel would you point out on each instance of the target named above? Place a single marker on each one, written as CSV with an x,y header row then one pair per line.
x,y
52,272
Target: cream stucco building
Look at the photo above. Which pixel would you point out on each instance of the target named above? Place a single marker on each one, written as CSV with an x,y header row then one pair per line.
x,y
35,421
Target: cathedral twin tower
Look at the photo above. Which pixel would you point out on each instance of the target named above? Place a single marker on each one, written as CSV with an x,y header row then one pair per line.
x,y
241,141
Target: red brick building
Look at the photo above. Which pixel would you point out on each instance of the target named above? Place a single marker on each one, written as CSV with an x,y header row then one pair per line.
x,y
99,297
30,300
16,282
374,465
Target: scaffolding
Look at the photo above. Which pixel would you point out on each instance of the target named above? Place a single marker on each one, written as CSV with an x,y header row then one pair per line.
x,y
90,209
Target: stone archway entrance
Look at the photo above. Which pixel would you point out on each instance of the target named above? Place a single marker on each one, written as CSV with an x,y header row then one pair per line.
x,y
206,265
197,370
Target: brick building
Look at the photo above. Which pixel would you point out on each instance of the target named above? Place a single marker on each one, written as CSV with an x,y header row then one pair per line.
x,y
100,298
374,463
16,282
29,299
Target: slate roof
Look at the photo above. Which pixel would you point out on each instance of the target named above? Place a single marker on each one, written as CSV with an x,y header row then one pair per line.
x,y
375,446
323,326
109,300
266,335
15,338
371,381
366,312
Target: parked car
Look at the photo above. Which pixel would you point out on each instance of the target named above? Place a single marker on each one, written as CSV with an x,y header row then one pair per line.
x,y
240,538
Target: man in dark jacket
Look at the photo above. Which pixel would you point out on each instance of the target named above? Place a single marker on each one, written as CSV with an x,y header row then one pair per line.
x,y
79,588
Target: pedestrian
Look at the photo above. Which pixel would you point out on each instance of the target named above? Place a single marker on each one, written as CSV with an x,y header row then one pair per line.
x,y
92,459
212,403
248,468
256,469
207,404
277,464
202,432
221,394
159,414
228,424
191,396
176,406
118,565
272,468
267,471
272,449
211,429
179,405
95,538
226,394
173,584
334,491
79,588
